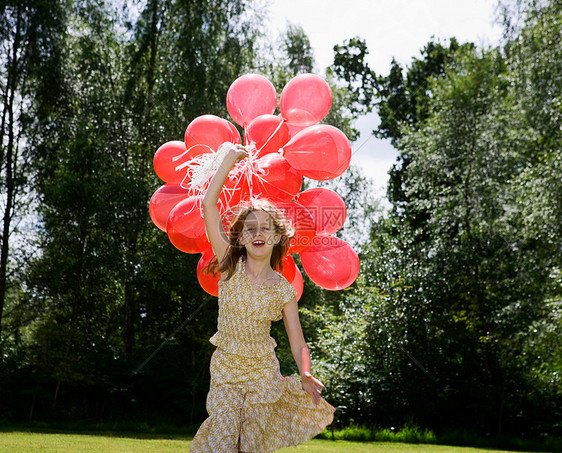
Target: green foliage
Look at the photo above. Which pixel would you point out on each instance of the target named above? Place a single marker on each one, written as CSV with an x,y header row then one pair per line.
x,y
299,53
399,98
467,263
106,287
408,434
29,44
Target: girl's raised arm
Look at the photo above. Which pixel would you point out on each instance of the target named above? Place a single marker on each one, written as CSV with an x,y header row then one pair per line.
x,y
213,224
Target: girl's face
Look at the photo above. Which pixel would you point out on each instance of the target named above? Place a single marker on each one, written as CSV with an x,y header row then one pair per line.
x,y
258,234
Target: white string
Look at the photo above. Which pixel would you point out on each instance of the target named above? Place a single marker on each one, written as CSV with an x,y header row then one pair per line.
x,y
203,166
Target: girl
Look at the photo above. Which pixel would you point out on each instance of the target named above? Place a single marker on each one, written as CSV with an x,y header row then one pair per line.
x,y
252,408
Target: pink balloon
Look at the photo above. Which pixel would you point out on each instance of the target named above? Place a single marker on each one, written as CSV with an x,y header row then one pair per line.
x,y
268,133
235,191
294,129
206,133
302,222
165,165
326,207
275,179
250,96
234,132
163,201
305,100
186,227
330,262
319,152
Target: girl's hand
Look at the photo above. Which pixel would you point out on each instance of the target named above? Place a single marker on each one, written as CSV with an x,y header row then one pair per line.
x,y
312,386
238,152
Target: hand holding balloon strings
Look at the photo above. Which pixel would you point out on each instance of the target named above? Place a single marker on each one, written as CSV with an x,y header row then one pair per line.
x,y
202,167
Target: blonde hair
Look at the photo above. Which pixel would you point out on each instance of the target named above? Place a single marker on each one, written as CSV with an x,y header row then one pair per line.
x,y
236,250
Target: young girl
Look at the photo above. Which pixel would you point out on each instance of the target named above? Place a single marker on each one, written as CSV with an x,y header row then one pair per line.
x,y
252,408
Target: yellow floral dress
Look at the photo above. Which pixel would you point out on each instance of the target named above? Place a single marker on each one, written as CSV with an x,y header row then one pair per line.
x,y
252,407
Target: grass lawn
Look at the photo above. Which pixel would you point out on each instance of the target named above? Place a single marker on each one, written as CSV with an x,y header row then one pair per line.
x,y
28,442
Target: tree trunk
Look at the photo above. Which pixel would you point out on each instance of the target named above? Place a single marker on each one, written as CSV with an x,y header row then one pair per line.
x,y
129,318
10,164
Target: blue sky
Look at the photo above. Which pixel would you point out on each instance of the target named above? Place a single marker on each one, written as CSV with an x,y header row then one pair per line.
x,y
391,28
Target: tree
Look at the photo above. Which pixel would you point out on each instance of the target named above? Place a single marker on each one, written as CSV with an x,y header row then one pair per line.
x,y
401,100
108,285
468,262
298,50
29,46
532,49
471,278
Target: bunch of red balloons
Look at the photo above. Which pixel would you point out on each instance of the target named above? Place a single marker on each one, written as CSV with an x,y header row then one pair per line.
x,y
285,148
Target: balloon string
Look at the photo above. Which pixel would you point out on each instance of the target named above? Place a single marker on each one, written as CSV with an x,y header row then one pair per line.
x,y
179,167
255,173
183,183
201,167
250,171
271,136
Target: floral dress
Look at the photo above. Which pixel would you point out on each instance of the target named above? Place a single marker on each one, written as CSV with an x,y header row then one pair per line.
x,y
252,407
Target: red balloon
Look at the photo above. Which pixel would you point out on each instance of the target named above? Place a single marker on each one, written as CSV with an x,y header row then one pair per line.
x,y
268,133
164,164
234,132
298,283
289,268
319,152
207,281
235,191
274,178
326,207
301,220
186,227
250,96
206,133
330,262
163,201
305,100
293,275
294,129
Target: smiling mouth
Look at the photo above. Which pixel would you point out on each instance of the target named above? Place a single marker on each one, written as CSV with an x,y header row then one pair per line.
x,y
258,243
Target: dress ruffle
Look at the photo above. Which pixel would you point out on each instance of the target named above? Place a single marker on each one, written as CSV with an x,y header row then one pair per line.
x,y
241,347
253,408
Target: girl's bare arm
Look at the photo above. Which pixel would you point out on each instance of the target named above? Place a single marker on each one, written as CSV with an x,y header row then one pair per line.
x,y
310,384
213,225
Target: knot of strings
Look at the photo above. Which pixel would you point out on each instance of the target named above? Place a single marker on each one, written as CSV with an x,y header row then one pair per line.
x,y
199,171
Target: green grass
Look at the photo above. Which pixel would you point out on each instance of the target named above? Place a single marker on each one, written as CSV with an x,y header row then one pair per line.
x,y
25,442
28,442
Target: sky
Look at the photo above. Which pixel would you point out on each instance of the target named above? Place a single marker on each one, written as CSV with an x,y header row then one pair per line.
x,y
391,28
